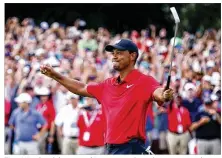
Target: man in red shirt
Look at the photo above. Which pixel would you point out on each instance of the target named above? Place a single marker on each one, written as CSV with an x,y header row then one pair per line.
x,y
46,108
124,98
179,123
91,129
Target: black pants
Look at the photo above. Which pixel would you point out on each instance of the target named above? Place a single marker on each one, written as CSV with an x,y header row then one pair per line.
x,y
134,146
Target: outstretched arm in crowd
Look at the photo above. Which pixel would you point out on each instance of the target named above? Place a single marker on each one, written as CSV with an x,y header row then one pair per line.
x,y
72,85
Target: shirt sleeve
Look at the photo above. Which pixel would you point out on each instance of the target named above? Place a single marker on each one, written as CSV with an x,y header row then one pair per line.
x,y
13,118
52,111
59,118
96,90
40,119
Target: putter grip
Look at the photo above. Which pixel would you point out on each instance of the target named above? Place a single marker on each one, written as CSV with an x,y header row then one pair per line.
x,y
168,83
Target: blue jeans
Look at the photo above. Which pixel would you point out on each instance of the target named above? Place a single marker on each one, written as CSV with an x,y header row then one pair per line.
x,y
134,146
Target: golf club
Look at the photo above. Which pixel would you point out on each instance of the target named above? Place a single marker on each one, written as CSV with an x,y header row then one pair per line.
x,y
177,20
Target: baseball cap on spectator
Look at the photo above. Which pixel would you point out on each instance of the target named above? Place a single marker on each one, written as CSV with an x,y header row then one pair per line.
x,y
42,91
55,25
82,23
215,79
214,97
210,64
122,44
44,25
39,52
207,78
23,98
71,95
189,86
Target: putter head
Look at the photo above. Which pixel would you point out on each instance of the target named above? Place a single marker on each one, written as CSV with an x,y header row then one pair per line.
x,y
175,15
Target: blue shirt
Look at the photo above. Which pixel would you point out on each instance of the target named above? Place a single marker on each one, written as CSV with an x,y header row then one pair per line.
x,y
163,122
26,123
192,107
35,102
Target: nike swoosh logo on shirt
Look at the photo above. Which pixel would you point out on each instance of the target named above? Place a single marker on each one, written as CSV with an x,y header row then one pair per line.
x,y
128,86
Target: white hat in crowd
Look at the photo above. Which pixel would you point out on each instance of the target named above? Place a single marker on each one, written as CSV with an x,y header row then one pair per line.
x,y
207,78
23,98
210,63
215,79
41,91
44,25
189,86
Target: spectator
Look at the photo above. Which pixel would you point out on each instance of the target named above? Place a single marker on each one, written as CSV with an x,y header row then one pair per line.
x,y
163,127
25,122
80,55
46,108
91,130
179,122
35,99
7,130
208,129
66,122
190,101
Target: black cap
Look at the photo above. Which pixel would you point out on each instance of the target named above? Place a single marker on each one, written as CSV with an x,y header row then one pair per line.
x,y
123,44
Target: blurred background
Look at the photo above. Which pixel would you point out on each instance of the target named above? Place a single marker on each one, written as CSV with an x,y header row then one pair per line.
x,y
72,37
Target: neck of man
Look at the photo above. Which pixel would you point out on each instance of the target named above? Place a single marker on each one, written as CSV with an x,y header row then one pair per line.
x,y
125,72
26,109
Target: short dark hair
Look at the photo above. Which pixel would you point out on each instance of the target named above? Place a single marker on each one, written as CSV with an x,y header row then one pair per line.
x,y
137,55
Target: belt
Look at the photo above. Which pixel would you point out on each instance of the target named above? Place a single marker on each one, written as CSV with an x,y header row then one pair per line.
x,y
177,132
130,141
92,146
73,137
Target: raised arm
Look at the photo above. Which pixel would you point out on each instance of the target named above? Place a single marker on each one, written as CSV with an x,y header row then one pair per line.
x,y
72,85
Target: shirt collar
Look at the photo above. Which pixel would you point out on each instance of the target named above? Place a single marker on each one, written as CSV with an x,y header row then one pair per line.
x,y
133,75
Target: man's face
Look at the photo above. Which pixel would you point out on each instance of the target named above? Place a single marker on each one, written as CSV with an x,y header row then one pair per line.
x,y
44,98
23,105
74,102
178,100
191,93
121,59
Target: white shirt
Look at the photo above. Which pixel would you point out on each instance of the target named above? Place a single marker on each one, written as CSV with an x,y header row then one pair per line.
x,y
67,117
60,100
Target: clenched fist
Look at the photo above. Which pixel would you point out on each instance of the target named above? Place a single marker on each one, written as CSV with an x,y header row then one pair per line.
x,y
168,94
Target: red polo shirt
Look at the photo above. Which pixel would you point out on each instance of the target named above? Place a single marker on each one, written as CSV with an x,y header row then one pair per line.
x,y
178,116
7,111
48,111
125,105
95,129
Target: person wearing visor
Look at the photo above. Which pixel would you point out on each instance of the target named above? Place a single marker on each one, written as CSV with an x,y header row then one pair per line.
x,y
125,99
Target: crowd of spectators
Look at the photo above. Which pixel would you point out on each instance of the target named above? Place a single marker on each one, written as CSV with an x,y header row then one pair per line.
x,y
79,53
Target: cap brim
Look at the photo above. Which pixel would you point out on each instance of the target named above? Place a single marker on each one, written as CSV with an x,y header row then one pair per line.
x,y
17,100
110,48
